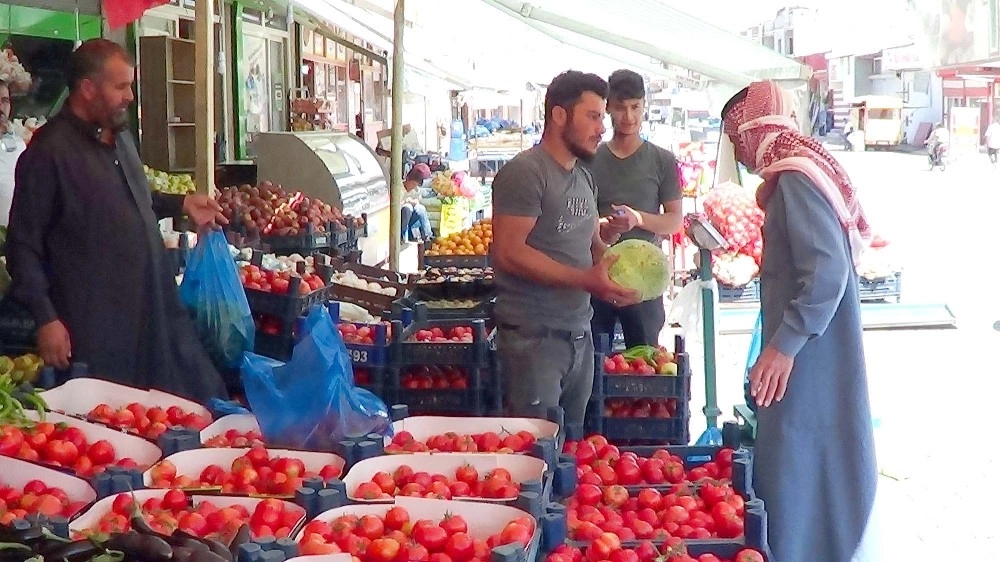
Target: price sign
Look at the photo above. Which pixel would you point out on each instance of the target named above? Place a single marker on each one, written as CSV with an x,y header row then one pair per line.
x,y
358,355
454,216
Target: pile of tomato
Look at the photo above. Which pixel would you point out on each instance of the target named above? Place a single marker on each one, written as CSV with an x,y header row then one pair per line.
x,y
207,519
60,446
395,536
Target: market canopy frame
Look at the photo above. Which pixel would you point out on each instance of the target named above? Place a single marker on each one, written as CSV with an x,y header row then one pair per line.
x,y
663,33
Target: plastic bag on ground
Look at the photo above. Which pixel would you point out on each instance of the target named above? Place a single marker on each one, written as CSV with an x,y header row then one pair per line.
x,y
212,291
311,401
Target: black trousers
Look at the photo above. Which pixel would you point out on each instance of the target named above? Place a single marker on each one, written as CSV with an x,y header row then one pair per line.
x,y
641,323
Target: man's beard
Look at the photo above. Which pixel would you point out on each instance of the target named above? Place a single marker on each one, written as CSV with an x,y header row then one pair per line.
x,y
118,120
575,149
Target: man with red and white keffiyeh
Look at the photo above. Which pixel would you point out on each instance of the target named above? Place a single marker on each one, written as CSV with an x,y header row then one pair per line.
x,y
814,458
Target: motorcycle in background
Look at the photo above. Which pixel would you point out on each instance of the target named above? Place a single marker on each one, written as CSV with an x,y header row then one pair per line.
x,y
937,155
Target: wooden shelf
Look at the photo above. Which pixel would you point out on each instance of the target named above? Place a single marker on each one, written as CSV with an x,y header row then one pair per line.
x,y
167,72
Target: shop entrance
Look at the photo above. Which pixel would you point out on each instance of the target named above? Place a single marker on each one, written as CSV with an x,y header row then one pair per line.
x,y
264,86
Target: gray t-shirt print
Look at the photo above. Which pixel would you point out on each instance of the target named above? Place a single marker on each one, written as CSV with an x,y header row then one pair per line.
x,y
565,206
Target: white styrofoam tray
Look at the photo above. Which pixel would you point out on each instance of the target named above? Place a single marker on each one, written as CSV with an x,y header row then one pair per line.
x,y
424,427
77,397
91,518
16,473
522,468
240,422
483,519
143,452
192,463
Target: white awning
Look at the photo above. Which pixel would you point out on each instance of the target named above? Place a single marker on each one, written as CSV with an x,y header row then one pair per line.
x,y
663,33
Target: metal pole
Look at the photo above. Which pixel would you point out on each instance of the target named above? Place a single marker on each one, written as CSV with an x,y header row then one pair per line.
x,y
396,162
204,100
711,409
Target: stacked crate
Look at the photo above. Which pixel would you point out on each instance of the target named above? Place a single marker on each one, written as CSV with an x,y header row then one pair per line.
x,y
451,378
659,404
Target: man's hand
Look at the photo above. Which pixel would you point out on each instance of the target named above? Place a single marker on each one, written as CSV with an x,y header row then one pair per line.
x,y
204,211
607,233
769,376
624,218
601,286
54,345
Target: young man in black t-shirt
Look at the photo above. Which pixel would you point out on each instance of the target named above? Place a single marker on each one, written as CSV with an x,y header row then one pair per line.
x,y
639,194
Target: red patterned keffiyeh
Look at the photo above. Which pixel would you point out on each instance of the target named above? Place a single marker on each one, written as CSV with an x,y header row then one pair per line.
x,y
767,138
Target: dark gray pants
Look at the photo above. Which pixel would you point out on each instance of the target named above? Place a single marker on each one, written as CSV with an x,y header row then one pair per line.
x,y
545,368
641,323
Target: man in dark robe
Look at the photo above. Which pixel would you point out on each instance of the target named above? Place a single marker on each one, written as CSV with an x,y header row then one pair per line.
x,y
84,250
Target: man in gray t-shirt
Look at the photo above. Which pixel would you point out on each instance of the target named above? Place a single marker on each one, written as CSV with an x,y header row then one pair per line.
x,y
639,194
548,257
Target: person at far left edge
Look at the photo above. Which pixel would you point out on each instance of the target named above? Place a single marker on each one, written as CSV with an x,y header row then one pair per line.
x,y
84,250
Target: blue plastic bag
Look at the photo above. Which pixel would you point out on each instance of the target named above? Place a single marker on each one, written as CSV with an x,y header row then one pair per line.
x,y
311,401
212,291
756,342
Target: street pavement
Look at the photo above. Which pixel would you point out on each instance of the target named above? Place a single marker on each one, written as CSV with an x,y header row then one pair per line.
x,y
933,392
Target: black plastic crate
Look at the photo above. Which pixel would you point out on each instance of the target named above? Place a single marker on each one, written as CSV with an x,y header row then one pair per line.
x,y
276,346
673,431
453,261
409,309
754,536
374,379
611,385
696,455
638,430
378,304
478,398
885,288
407,351
289,306
749,293
341,263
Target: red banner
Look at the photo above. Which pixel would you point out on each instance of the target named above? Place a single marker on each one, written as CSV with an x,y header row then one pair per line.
x,y
120,13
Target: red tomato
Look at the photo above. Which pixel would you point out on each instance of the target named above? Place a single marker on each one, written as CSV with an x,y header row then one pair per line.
x,y
588,494
396,518
433,537
175,500
468,474
603,547
382,550
460,547
515,533
453,524
101,452
371,526
748,555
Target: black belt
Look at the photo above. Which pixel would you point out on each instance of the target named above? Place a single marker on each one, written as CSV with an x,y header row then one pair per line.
x,y
544,332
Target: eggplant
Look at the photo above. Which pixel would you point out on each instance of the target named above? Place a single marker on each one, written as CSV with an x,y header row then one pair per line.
x,y
213,545
140,525
206,556
180,541
241,537
15,552
76,551
182,554
140,547
22,536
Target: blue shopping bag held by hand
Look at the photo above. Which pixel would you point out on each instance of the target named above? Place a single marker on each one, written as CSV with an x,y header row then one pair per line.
x,y
212,291
311,401
756,343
